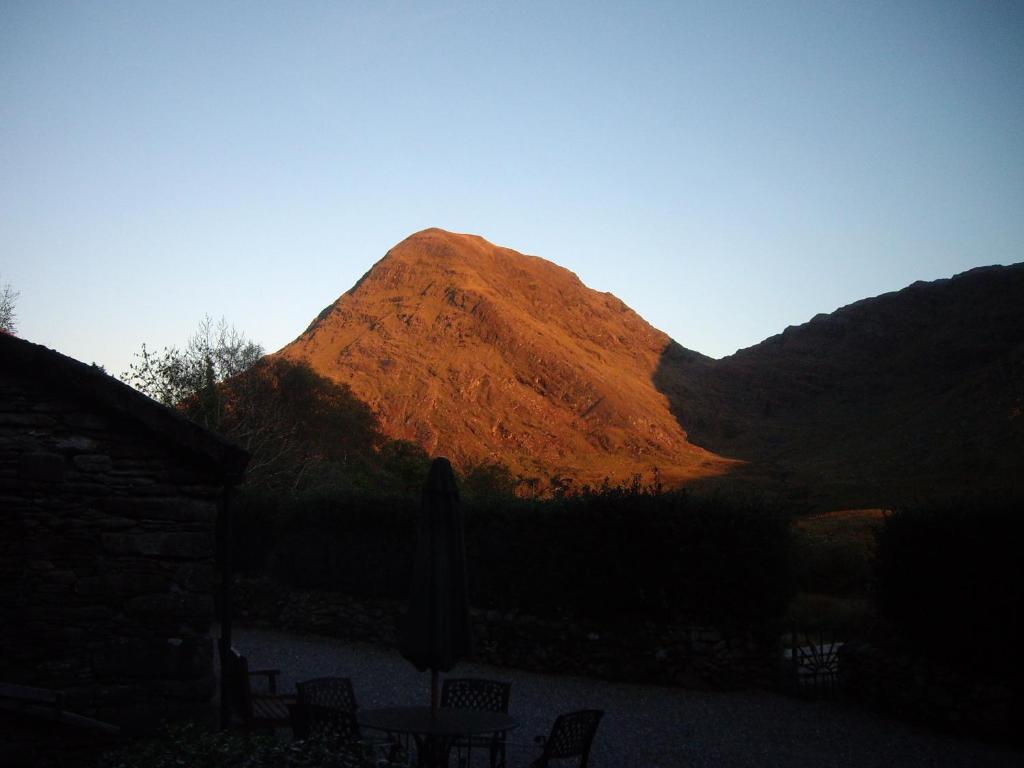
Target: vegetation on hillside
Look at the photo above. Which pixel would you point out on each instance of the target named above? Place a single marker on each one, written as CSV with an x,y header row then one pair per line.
x,y
834,555
303,430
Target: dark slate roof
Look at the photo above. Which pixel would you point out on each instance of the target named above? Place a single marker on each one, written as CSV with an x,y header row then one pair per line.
x,y
76,378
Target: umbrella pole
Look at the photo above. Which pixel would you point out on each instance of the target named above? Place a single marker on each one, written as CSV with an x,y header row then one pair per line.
x,y
435,696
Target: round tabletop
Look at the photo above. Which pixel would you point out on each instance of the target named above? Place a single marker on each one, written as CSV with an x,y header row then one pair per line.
x,y
421,721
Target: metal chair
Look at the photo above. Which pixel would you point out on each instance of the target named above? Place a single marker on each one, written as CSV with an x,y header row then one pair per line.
x,y
571,736
326,707
481,694
813,669
325,700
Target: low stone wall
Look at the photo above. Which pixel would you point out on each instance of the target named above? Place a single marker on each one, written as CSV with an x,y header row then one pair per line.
x,y
696,657
895,681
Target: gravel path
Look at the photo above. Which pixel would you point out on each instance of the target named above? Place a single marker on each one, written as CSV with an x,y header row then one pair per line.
x,y
647,726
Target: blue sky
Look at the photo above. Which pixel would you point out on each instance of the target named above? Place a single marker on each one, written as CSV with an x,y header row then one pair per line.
x,y
726,169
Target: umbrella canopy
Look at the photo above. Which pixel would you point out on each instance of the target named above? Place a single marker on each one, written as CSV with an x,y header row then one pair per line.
x,y
435,632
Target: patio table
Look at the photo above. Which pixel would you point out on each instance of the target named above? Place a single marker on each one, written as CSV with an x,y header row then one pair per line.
x,y
435,731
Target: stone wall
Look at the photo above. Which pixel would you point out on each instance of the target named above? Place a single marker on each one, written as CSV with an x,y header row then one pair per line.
x,y
107,538
695,657
895,680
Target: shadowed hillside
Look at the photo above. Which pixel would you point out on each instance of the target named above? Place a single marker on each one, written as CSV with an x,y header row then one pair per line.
x,y
907,395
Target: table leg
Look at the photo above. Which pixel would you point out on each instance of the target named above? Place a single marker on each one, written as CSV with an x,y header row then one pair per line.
x,y
432,751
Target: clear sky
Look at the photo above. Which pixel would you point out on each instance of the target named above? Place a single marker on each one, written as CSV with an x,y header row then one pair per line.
x,y
726,169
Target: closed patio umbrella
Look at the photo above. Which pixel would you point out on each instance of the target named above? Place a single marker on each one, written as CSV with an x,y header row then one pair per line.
x,y
435,632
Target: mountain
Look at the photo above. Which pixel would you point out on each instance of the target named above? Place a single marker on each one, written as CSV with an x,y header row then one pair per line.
x,y
484,354
901,397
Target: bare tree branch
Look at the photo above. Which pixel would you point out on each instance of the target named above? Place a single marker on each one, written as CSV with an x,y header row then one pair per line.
x,y
8,317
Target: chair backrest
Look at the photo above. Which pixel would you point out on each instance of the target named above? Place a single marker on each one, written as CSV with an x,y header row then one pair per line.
x,y
330,692
571,736
475,693
235,668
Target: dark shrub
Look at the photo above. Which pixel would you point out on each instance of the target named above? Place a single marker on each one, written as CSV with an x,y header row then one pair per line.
x,y
951,581
364,545
187,745
841,568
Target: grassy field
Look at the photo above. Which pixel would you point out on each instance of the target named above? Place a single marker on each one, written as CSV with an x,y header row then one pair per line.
x,y
835,553
846,526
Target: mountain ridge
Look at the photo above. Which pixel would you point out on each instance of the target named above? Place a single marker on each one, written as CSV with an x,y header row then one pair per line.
x,y
489,355
913,393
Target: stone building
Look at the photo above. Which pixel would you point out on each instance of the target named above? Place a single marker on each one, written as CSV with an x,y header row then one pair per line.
x,y
109,507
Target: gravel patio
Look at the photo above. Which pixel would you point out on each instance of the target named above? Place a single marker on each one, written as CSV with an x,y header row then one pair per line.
x,y
649,726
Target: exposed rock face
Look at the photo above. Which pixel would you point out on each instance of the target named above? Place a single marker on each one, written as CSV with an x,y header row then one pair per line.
x,y
481,353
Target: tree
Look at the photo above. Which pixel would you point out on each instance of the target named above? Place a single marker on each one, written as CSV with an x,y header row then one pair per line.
x,y
490,481
8,318
406,462
188,378
292,419
287,416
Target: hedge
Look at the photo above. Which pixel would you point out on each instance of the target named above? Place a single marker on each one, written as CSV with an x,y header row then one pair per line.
x,y
951,581
616,554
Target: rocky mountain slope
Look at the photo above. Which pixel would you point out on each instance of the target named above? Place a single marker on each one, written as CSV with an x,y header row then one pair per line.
x,y
902,397
487,355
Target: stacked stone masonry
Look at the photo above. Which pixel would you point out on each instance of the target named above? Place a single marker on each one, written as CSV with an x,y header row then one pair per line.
x,y
695,657
107,537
